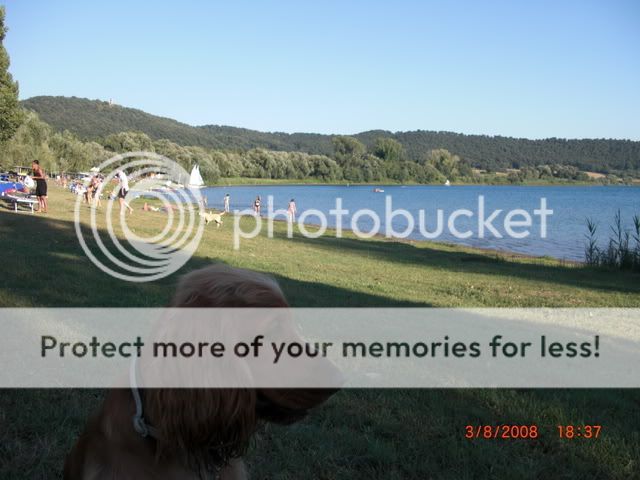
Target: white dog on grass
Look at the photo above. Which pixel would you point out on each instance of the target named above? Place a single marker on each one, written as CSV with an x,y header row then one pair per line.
x,y
212,217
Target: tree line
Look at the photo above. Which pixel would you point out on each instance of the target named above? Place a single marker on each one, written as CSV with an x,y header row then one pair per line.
x,y
350,161
93,120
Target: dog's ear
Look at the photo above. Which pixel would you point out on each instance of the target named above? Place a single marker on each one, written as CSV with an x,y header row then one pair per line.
x,y
211,424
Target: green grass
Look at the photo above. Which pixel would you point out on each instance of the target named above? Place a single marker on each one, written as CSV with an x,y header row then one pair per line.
x,y
359,434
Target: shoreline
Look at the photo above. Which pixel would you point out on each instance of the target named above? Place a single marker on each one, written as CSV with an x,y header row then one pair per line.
x,y
496,252
499,253
421,241
286,183
487,250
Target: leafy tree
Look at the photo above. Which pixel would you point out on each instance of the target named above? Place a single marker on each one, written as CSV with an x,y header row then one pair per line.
x,y
167,148
429,174
70,153
388,149
95,153
124,142
450,166
347,150
325,168
208,168
11,115
30,142
514,177
299,165
229,164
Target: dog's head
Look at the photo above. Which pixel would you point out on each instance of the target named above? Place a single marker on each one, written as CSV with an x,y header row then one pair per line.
x,y
222,420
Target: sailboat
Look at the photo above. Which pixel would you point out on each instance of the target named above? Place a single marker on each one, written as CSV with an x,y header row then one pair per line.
x,y
195,180
447,183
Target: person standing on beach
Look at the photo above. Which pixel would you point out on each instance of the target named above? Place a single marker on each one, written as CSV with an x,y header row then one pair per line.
x,y
97,190
41,186
91,193
292,210
227,200
256,205
124,189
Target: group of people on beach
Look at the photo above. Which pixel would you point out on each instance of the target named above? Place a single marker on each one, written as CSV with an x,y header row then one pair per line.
x,y
93,191
94,188
256,205
291,209
90,194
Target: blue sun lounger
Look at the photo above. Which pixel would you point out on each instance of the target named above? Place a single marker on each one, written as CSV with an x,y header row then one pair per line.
x,y
15,200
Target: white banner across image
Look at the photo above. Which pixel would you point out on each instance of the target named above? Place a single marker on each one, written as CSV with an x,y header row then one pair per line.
x,y
320,348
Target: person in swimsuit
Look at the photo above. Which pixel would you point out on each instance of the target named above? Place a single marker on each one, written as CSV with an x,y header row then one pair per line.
x,y
41,186
124,189
292,210
256,205
88,193
93,191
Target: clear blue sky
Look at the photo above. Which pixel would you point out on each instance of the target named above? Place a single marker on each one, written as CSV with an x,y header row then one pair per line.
x,y
516,68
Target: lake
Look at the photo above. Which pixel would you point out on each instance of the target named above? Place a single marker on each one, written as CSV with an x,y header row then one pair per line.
x,y
566,227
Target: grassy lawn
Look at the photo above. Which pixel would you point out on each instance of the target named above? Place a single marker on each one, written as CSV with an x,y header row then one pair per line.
x,y
359,434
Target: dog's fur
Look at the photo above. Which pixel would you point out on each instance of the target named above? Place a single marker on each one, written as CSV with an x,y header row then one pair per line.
x,y
202,433
212,217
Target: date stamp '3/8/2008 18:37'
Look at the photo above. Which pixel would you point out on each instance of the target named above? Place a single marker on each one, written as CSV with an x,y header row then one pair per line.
x,y
506,432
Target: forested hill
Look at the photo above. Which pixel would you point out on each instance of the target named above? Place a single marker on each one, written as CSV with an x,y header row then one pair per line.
x,y
90,119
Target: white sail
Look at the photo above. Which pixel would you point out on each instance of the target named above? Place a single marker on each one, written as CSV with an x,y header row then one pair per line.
x,y
447,183
195,180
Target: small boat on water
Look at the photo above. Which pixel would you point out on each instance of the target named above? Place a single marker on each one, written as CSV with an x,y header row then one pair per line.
x,y
378,190
447,183
195,180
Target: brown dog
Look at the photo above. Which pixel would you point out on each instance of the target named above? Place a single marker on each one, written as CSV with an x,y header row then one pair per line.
x,y
193,433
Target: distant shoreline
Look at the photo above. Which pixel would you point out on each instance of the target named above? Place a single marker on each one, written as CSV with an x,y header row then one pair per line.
x,y
261,182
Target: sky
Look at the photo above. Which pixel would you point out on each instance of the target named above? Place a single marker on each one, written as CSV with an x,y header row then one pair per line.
x,y
523,69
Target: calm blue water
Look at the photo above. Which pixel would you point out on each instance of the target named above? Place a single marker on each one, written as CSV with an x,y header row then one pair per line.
x,y
565,231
